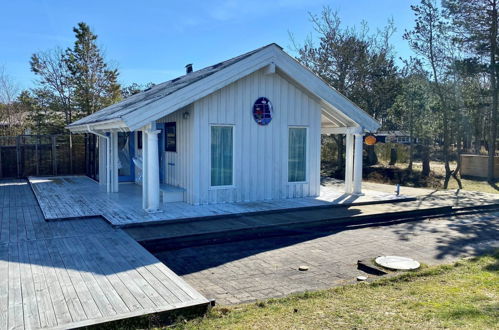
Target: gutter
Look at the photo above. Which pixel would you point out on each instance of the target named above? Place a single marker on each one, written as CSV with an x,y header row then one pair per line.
x,y
108,125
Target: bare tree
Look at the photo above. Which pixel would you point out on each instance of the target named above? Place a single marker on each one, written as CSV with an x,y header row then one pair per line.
x,y
358,63
54,76
11,113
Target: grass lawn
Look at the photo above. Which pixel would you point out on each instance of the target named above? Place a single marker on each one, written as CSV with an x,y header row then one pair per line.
x,y
463,295
475,185
383,173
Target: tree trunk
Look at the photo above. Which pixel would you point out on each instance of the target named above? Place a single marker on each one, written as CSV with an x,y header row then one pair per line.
x,y
493,83
456,174
411,156
393,156
426,160
411,143
411,148
372,159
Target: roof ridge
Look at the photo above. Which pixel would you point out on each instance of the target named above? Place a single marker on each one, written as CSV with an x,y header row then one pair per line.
x,y
215,65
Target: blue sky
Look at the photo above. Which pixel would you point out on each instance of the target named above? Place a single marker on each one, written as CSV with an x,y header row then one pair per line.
x,y
152,40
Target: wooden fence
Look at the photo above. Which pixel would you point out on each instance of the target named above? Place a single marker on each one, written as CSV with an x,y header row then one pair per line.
x,y
25,155
477,166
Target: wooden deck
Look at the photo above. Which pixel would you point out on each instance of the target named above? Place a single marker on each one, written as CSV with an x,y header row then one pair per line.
x,y
76,273
79,196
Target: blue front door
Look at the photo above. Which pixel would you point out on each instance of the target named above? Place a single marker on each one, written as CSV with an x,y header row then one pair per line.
x,y
126,151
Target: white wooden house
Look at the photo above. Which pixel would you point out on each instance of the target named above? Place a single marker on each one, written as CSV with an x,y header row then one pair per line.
x,y
246,129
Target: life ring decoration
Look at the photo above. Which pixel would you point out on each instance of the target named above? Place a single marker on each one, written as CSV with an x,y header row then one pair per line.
x,y
262,111
370,140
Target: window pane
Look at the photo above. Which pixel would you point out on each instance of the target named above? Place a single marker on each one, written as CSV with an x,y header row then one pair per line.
x,y
221,155
297,154
171,136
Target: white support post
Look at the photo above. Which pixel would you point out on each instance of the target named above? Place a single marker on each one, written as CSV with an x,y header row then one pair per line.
x,y
102,161
349,164
114,162
150,185
145,199
357,171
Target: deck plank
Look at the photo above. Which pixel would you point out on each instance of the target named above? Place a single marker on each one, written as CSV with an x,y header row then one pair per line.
x,y
74,273
137,260
106,286
45,308
125,273
61,309
4,285
30,310
104,267
15,303
177,285
78,256
148,292
70,295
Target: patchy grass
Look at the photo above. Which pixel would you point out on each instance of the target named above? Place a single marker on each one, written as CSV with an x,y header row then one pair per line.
x,y
398,174
460,296
475,185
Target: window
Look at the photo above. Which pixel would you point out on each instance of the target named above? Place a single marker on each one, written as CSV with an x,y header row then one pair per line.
x,y
222,155
171,137
297,154
139,140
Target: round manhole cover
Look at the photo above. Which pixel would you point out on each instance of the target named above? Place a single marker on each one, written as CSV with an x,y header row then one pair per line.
x,y
397,263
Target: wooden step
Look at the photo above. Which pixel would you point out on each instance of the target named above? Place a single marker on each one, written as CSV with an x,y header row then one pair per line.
x,y
171,193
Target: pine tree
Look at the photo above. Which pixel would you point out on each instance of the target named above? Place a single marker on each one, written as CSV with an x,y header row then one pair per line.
x,y
95,83
475,26
429,39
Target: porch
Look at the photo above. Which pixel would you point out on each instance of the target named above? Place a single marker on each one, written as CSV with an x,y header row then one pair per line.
x,y
72,197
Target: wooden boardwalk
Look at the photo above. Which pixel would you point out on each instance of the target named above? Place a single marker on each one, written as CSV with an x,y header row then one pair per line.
x,y
76,273
79,196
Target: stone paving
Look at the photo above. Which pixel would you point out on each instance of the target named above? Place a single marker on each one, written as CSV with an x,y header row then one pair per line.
x,y
268,267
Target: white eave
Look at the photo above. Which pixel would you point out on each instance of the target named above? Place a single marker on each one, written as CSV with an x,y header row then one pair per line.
x,y
103,126
335,106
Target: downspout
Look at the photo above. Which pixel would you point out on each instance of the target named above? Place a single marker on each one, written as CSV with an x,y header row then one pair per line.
x,y
108,155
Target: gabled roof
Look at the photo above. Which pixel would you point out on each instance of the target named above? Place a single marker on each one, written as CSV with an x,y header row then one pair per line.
x,y
138,110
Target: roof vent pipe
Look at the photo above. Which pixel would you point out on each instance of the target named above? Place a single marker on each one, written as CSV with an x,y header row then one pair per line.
x,y
188,68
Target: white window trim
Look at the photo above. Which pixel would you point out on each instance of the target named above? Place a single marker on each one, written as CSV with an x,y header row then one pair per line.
x,y
307,175
233,185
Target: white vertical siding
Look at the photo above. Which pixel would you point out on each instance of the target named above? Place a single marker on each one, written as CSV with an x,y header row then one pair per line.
x,y
178,169
261,152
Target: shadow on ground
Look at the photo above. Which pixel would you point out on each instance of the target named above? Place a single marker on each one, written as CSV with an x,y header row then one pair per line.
x,y
452,238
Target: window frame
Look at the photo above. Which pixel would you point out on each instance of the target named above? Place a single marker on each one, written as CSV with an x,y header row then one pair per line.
x,y
167,125
233,185
306,155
